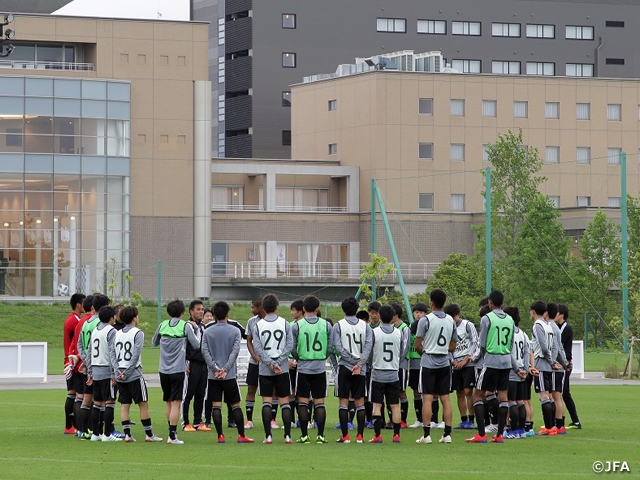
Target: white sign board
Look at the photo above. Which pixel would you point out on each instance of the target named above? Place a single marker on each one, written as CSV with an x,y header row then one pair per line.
x,y
577,352
23,360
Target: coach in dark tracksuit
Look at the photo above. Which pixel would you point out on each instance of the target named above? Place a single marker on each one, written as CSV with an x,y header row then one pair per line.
x,y
195,383
566,338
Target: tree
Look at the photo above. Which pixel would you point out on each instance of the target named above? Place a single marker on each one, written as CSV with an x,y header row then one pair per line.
x,y
374,272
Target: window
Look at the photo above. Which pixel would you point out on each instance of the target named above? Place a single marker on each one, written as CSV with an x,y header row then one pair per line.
x,y
425,151
227,197
584,201
432,26
489,108
288,20
583,111
465,28
555,200
509,68
333,105
551,110
613,156
286,99
485,152
614,111
466,66
505,29
457,108
574,32
425,106
333,149
614,23
614,61
613,202
457,151
398,25
579,70
541,68
541,31
552,155
583,155
286,137
289,60
425,201
520,109
457,202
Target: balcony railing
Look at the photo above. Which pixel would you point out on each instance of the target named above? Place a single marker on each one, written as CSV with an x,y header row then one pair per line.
x,y
279,208
33,65
335,270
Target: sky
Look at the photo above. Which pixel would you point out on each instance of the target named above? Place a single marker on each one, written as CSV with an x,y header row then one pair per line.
x,y
149,9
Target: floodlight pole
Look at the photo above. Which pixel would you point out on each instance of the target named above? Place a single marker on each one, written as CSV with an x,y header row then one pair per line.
x,y
625,256
487,226
374,287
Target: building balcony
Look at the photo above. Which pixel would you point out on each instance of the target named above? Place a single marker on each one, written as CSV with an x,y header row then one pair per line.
x,y
34,65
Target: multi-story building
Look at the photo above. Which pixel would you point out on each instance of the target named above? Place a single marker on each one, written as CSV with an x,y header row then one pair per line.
x,y
257,49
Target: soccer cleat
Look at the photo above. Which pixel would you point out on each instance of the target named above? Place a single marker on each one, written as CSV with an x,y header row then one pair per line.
x,y
111,438
293,424
274,425
544,431
562,431
388,426
70,431
469,425
95,438
376,439
153,438
248,424
87,435
287,440
221,438
268,440
512,435
403,424
174,441
477,439
203,428
359,439
497,439
297,423
230,424
244,439
129,439
117,434
426,439
445,439
396,439
79,434
131,422
350,426
312,425
440,426
574,425
461,426
337,427
530,433
416,424
553,431
304,439
345,439
321,439
368,424
189,428
492,428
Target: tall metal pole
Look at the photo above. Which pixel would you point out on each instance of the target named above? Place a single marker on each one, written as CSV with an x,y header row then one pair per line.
x,y
159,292
374,287
625,259
487,234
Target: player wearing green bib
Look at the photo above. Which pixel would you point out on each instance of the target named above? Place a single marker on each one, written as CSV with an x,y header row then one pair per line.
x,y
419,310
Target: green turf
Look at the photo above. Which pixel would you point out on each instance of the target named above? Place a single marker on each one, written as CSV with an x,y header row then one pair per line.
x,y
34,447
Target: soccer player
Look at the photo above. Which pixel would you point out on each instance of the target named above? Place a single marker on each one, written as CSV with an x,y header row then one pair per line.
x,y
352,339
419,310
272,343
254,360
374,322
196,374
297,313
172,336
387,350
566,334
102,367
435,337
71,405
131,384
495,345
311,347
403,371
463,378
557,377
220,348
517,377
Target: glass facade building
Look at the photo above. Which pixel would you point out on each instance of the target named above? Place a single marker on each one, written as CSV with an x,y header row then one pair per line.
x,y
64,185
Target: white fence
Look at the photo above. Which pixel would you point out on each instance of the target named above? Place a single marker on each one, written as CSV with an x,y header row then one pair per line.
x,y
23,360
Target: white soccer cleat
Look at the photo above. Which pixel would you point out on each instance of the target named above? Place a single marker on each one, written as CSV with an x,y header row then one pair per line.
x,y
268,440
95,438
416,424
493,428
426,439
445,439
274,425
440,426
153,438
174,441
248,424
129,439
111,438
288,440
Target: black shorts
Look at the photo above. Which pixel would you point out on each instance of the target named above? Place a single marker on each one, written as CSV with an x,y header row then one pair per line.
x,y
88,389
280,382
311,385
414,378
493,379
543,382
350,385
252,374
379,391
79,384
228,388
463,378
403,379
527,386
435,381
172,386
103,390
516,391
557,380
133,392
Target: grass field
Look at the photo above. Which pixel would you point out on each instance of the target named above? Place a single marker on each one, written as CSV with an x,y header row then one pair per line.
x,y
34,447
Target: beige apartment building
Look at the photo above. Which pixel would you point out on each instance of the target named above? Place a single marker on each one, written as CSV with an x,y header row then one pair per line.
x,y
105,149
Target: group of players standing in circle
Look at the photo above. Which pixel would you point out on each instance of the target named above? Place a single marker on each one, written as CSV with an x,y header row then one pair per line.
x,y
374,357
